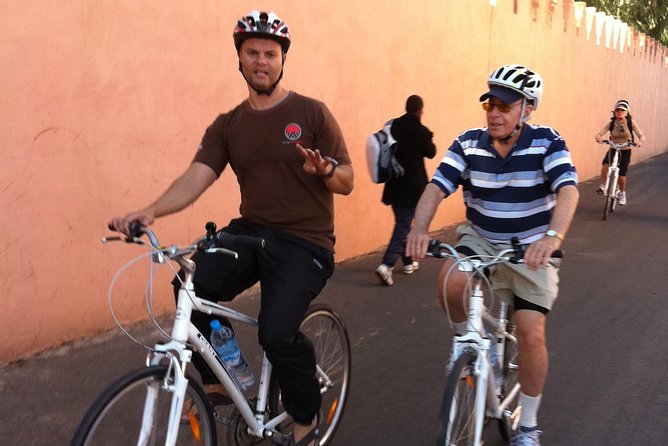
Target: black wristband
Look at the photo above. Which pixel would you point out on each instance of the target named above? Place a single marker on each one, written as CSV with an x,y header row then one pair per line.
x,y
334,163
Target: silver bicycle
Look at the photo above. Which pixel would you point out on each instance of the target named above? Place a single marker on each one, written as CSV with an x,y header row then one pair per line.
x,y
611,189
476,393
159,404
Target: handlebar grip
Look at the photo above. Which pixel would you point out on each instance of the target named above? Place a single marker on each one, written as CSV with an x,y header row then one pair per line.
x,y
135,230
433,247
558,254
231,241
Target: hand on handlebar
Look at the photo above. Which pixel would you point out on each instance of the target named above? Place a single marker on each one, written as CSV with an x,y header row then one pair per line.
x,y
540,252
122,224
417,243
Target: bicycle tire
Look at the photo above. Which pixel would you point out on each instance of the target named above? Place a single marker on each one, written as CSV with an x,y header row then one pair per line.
x,y
457,418
511,377
328,333
116,416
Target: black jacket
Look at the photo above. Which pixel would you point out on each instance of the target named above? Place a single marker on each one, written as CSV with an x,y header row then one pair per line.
x,y
414,142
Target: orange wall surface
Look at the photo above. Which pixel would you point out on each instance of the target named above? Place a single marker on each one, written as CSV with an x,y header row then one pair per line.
x,y
104,103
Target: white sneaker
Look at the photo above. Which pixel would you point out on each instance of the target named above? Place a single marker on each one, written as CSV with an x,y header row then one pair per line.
x,y
622,198
385,274
411,267
524,438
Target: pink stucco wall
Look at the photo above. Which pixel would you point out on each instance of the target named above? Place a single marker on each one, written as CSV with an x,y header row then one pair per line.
x,y
103,104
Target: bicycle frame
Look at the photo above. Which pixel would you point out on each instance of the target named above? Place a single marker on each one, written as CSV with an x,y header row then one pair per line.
x,y
179,355
157,395
488,395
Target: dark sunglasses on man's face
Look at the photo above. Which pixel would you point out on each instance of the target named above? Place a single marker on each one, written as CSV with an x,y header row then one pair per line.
x,y
502,107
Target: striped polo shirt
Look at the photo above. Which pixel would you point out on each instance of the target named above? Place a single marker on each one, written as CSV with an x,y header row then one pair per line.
x,y
512,196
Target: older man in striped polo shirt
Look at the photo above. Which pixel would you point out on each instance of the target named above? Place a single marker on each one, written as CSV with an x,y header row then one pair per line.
x,y
518,180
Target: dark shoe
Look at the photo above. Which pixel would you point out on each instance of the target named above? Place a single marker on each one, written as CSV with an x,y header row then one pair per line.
x,y
312,436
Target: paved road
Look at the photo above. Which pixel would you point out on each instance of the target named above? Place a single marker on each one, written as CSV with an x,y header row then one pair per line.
x,y
608,340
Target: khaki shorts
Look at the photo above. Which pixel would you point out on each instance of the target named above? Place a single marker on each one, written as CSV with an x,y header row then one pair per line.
x,y
539,287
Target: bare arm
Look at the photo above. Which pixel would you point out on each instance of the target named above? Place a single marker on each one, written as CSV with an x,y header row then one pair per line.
x,y
604,130
341,182
418,239
641,136
181,193
539,252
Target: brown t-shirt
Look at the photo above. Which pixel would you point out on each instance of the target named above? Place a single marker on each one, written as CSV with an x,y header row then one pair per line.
x,y
260,148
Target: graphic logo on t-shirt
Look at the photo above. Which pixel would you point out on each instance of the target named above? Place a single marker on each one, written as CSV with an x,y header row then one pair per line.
x,y
292,131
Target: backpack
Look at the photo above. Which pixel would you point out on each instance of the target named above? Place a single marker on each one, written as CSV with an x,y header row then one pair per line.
x,y
629,124
381,149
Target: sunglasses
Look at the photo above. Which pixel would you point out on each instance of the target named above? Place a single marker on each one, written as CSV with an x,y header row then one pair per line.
x,y
620,109
503,108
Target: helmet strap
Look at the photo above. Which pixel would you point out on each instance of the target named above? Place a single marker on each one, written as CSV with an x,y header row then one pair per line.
x,y
518,126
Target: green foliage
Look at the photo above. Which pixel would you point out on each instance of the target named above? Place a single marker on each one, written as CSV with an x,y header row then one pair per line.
x,y
647,16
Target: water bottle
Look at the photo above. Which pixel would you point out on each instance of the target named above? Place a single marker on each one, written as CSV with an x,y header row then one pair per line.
x,y
222,339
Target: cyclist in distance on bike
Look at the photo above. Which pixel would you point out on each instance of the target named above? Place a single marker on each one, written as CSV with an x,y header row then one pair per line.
x,y
519,181
621,128
289,156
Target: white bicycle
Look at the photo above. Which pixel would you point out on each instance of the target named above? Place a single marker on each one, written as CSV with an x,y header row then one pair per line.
x,y
472,397
159,404
611,189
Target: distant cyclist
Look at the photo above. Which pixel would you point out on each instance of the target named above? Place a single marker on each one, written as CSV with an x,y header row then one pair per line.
x,y
622,129
518,180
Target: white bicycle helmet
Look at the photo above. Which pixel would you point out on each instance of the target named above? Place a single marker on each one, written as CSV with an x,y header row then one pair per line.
x,y
623,104
262,24
519,79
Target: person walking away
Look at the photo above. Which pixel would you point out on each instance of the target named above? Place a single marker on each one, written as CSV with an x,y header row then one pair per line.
x,y
414,143
289,156
518,180
622,129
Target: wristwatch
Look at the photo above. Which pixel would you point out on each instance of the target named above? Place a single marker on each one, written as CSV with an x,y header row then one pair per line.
x,y
553,233
334,164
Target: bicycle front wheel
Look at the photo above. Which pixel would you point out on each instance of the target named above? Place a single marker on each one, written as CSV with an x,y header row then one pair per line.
x,y
326,330
610,196
134,410
458,410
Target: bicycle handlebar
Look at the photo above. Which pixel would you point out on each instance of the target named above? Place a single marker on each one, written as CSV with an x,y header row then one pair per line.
x,y
213,241
618,146
512,255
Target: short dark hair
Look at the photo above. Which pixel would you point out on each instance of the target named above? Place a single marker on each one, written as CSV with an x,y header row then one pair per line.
x,y
414,104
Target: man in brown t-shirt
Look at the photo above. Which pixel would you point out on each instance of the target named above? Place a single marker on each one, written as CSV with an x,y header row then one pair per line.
x,y
289,157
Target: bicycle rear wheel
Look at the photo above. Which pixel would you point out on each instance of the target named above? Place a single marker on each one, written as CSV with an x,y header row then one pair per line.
x,y
115,418
329,336
458,410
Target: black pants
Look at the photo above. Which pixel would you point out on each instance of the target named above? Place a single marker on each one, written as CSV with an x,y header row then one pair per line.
x,y
291,272
403,217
